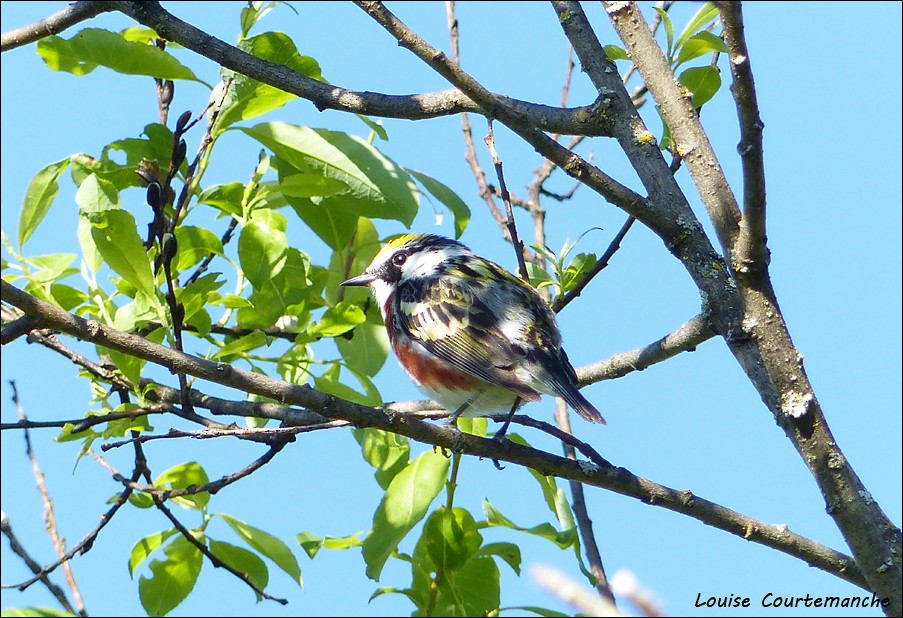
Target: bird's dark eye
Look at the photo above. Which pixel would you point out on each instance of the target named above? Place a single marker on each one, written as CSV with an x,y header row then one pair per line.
x,y
399,258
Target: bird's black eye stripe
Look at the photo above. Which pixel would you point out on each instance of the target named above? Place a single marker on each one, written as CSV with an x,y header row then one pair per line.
x,y
400,258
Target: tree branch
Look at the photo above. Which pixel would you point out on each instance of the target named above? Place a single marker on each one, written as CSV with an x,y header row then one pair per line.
x,y
56,23
604,476
684,339
581,513
17,548
764,347
85,544
571,121
49,514
690,140
751,251
564,300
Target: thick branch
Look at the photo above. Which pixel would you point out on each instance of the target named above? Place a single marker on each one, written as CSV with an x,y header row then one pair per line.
x,y
690,140
570,121
599,474
765,349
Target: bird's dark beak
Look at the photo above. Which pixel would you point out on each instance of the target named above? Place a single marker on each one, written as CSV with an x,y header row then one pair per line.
x,y
361,279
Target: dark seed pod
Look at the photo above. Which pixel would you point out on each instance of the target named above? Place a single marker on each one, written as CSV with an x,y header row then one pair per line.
x,y
182,121
179,155
155,195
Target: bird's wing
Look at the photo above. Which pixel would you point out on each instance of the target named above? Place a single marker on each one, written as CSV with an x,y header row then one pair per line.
x,y
463,323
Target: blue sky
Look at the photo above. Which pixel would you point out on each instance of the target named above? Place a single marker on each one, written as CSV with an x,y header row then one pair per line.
x,y
828,81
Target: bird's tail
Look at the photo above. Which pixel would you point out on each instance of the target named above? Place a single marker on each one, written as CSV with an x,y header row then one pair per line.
x,y
581,405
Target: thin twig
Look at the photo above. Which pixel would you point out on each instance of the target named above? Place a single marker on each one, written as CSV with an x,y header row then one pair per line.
x,y
562,301
49,515
486,191
683,339
581,513
216,562
34,566
751,251
510,224
85,544
276,444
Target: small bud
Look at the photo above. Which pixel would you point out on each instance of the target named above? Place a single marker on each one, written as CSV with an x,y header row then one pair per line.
x,y
182,121
178,157
155,195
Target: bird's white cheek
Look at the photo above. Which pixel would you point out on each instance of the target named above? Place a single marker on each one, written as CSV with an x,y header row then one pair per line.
x,y
381,291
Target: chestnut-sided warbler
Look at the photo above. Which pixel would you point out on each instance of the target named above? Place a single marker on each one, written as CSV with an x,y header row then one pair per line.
x,y
471,335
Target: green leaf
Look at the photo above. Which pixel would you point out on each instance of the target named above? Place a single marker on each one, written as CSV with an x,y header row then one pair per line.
x,y
182,476
539,611
151,152
52,267
93,47
67,296
387,452
563,539
699,45
245,343
451,537
350,259
247,97
614,52
474,425
146,546
669,30
96,194
406,501
333,227
39,196
141,35
310,185
330,383
195,244
377,187
115,236
706,13
312,544
703,82
474,590
121,427
135,314
455,204
337,320
509,552
194,298
129,365
576,270
268,545
261,249
173,579
243,561
539,278
366,349
376,127
285,294
226,197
